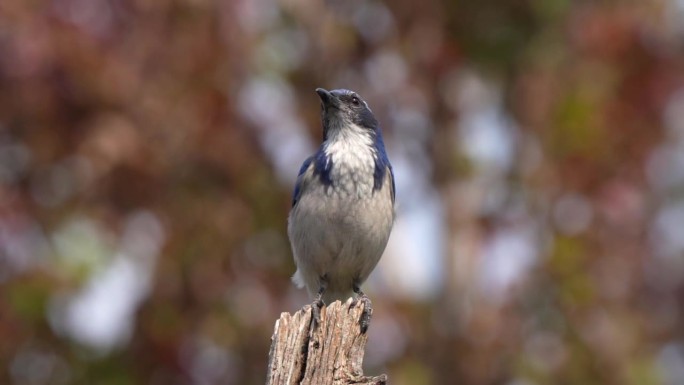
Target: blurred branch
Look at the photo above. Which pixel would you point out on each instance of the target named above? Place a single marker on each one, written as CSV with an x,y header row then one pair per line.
x,y
331,353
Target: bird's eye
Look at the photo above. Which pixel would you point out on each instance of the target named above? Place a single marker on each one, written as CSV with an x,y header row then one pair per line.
x,y
355,101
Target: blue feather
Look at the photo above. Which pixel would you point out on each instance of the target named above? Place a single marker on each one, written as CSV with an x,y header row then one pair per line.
x,y
298,185
382,164
322,167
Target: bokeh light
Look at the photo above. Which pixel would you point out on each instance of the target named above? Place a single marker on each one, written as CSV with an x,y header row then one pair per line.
x,y
148,151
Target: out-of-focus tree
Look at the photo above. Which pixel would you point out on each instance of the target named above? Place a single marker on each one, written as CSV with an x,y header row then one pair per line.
x,y
148,150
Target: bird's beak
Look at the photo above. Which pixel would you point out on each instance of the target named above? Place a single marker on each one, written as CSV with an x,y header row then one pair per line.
x,y
327,99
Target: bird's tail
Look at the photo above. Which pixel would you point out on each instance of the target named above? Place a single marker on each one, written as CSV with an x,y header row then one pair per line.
x,y
297,279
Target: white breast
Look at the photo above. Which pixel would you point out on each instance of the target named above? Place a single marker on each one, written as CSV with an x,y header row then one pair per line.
x,y
353,162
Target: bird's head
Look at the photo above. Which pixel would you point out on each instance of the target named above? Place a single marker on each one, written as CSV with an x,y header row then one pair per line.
x,y
344,110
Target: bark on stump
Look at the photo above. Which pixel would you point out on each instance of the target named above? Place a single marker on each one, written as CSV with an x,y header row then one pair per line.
x,y
331,353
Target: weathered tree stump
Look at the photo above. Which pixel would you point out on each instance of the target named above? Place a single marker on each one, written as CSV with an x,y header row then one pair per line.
x,y
331,353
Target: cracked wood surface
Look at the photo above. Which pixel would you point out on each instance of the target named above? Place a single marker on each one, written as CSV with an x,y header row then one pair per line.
x,y
331,353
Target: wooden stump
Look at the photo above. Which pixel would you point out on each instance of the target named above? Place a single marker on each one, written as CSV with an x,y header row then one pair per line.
x,y
331,353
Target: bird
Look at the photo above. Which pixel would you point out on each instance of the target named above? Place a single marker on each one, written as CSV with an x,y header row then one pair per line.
x,y
342,210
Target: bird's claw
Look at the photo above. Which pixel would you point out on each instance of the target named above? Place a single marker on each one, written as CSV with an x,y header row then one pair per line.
x,y
366,314
316,307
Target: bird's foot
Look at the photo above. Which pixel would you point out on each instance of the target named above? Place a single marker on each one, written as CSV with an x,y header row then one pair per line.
x,y
316,307
318,303
365,319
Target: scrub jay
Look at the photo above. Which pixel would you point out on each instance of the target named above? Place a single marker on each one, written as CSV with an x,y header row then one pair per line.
x,y
343,204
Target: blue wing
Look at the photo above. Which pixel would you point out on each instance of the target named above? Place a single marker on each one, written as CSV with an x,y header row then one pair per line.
x,y
383,167
298,184
391,176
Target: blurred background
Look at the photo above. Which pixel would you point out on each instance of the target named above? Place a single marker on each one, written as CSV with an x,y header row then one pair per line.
x,y
148,151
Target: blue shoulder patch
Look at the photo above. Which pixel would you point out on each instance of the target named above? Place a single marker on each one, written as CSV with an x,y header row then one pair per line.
x,y
322,167
391,175
379,173
298,184
382,166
